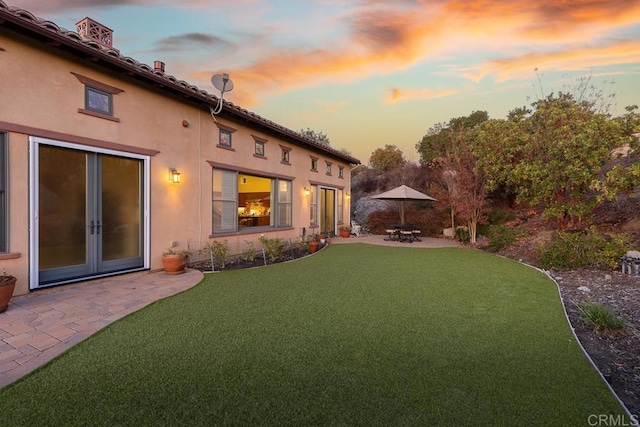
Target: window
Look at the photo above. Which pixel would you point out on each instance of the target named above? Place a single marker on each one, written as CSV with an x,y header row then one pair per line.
x,y
3,193
313,206
340,206
98,98
225,193
340,171
286,157
242,201
225,138
259,148
329,168
98,101
284,217
314,164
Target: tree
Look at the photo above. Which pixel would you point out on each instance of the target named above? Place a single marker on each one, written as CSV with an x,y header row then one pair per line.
x,y
319,137
385,159
462,183
552,155
436,142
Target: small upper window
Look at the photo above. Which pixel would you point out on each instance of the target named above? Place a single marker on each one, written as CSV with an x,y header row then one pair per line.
x,y
286,157
259,148
225,138
328,168
98,98
340,172
98,101
314,164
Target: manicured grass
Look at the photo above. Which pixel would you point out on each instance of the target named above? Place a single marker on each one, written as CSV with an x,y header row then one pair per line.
x,y
354,335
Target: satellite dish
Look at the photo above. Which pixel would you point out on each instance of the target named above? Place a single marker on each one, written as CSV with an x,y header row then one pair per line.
x,y
223,83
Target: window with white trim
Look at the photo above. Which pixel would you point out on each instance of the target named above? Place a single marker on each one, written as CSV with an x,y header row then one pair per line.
x,y
340,206
243,201
313,205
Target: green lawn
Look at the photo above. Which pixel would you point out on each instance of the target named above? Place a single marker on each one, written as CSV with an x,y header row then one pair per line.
x,y
354,335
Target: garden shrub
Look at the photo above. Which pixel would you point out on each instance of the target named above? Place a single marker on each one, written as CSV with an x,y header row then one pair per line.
x,y
499,216
589,248
601,318
218,252
250,253
463,235
273,248
501,236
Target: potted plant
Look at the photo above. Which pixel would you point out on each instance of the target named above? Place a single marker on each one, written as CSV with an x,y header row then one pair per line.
x,y
345,231
7,285
174,260
312,240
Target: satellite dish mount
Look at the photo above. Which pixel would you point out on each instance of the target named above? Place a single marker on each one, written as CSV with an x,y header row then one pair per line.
x,y
223,83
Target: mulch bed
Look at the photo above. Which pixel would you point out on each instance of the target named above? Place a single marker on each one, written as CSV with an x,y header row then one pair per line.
x,y
617,357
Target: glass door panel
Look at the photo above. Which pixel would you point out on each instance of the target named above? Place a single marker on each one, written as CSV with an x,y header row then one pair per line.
x,y
121,208
62,208
327,211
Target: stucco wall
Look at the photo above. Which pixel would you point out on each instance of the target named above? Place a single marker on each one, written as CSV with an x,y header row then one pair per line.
x,y
40,92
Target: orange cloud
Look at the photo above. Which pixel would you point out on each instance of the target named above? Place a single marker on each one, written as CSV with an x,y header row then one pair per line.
x,y
389,38
398,94
571,58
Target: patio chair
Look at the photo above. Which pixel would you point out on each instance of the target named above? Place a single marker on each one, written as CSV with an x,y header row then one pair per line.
x,y
406,235
392,234
356,228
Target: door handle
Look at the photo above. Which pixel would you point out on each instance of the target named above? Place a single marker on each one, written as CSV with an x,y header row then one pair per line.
x,y
98,227
91,227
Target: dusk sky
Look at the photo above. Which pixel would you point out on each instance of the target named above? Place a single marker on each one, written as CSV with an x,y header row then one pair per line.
x,y
374,72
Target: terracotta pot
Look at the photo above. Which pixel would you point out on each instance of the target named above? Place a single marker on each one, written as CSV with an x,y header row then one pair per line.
x,y
6,292
313,246
173,264
344,233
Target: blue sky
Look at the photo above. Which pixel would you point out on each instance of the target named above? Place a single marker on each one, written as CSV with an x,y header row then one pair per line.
x,y
372,72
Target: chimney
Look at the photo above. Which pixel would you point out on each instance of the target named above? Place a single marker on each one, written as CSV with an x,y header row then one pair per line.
x,y
158,66
92,30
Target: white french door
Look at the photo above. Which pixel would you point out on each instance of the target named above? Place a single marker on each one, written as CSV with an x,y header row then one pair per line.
x,y
88,213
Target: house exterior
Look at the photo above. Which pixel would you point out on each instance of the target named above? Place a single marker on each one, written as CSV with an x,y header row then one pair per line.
x,y
106,162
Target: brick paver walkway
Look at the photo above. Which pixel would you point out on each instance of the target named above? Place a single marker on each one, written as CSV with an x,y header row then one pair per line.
x,y
40,325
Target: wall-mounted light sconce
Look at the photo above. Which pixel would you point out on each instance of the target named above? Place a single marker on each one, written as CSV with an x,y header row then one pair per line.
x,y
174,176
348,195
307,191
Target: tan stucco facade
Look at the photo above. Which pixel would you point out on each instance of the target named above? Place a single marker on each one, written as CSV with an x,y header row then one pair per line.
x,y
42,96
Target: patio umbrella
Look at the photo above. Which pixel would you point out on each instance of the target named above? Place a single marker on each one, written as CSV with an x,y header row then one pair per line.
x,y
402,193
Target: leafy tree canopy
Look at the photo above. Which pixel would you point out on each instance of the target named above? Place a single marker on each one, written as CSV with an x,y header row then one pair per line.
x,y
436,143
386,159
554,155
319,137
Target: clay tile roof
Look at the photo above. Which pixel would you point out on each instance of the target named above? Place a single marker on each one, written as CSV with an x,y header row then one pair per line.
x,y
26,23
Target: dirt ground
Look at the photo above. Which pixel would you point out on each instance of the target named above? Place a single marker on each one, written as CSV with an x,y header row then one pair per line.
x,y
618,358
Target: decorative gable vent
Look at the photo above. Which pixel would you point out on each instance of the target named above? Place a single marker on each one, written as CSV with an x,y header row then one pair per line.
x,y
92,30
